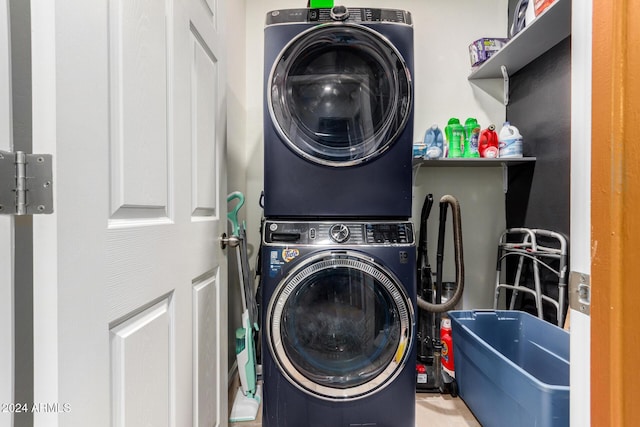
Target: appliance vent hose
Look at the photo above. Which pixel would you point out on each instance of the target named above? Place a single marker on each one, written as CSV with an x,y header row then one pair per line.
x,y
451,201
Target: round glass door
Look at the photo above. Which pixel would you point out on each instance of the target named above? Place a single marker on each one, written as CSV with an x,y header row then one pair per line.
x,y
340,326
340,94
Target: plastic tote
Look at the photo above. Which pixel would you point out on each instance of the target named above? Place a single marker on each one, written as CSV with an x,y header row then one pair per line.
x,y
512,368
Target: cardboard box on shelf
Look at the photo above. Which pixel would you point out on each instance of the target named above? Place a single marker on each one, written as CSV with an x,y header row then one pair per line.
x,y
541,5
482,49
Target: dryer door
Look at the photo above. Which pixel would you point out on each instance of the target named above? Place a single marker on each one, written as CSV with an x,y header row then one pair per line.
x,y
339,94
340,326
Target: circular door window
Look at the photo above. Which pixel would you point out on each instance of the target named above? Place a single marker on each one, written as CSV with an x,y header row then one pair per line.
x,y
340,326
340,94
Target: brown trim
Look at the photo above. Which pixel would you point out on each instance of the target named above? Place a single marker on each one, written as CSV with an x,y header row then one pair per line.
x,y
615,213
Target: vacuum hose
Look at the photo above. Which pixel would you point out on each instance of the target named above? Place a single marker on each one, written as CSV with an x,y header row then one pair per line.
x,y
445,201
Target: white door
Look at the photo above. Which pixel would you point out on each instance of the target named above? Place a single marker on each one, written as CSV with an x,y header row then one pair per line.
x,y
129,279
6,232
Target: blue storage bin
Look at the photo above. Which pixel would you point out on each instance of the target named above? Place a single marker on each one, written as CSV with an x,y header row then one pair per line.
x,y
512,368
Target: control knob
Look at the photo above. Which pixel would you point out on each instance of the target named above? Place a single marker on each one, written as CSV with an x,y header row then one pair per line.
x,y
339,13
339,233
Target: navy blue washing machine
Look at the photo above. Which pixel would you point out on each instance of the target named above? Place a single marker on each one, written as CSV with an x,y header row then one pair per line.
x,y
338,116
338,310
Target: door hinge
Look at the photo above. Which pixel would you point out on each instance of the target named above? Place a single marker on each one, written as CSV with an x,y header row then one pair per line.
x,y
580,292
26,183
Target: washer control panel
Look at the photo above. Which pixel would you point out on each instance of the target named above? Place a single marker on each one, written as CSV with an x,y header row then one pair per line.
x,y
340,14
381,233
339,233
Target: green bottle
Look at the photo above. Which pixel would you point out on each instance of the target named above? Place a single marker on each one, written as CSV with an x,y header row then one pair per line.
x,y
317,4
471,137
454,132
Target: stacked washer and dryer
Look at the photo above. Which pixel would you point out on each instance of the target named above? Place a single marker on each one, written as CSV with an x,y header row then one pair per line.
x,y
338,261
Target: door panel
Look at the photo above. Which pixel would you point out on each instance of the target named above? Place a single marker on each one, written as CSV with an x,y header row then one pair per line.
x,y
206,347
139,107
130,281
204,92
141,357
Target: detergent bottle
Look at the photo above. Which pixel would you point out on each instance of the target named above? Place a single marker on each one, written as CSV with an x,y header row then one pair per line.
x,y
510,141
488,143
471,135
434,143
447,346
454,132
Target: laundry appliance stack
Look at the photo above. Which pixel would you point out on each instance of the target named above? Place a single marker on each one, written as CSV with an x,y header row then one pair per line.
x,y
338,260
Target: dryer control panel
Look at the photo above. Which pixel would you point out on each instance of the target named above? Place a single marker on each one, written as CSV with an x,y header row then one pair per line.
x,y
336,233
338,13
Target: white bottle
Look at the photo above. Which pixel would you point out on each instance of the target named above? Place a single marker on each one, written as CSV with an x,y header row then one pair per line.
x,y
510,141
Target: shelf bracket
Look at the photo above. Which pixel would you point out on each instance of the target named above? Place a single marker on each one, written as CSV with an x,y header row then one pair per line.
x,y
505,178
505,79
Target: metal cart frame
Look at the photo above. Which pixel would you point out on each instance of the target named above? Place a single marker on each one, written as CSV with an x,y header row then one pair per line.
x,y
527,248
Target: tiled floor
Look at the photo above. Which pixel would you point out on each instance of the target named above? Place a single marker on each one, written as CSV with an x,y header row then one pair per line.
x,y
432,410
436,410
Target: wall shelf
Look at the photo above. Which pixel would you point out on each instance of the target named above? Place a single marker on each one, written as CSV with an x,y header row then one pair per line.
x,y
547,30
461,162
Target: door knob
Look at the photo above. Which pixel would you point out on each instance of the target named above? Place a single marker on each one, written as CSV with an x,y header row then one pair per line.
x,y
225,241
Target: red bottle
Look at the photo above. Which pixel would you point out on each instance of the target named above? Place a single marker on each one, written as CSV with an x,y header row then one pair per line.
x,y
447,345
488,143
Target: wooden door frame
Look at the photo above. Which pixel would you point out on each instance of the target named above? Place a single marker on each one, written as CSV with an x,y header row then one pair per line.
x,y
615,201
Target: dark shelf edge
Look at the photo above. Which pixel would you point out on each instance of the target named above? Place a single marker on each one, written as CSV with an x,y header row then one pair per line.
x,y
447,162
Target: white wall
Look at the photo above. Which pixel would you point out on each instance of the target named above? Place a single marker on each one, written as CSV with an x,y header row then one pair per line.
x,y
236,148
443,30
236,97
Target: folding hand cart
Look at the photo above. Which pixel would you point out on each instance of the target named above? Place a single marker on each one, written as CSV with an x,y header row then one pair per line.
x,y
539,248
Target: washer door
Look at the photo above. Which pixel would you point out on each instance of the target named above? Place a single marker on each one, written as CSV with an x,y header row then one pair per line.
x,y
339,94
340,326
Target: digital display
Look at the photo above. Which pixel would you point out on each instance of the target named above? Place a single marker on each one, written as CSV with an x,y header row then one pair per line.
x,y
387,233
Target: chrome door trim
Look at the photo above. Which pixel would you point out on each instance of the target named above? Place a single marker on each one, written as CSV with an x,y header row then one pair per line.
x,y
377,152
289,284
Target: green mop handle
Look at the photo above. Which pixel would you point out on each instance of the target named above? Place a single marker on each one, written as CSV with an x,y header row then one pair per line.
x,y
233,214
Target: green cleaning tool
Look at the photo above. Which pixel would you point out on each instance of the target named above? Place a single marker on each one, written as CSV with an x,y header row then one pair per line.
x,y
247,400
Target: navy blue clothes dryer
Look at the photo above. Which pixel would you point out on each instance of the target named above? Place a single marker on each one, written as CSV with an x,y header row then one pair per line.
x,y
338,113
338,334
